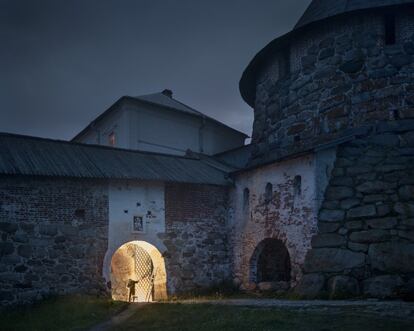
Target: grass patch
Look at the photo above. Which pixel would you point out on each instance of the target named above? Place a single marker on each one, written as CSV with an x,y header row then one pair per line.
x,y
181,317
62,313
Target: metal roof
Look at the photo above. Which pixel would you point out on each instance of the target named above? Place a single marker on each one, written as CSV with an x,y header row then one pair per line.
x,y
157,99
163,100
22,155
322,9
317,11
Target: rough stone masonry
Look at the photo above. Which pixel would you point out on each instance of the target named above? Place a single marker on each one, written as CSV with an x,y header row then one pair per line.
x,y
320,204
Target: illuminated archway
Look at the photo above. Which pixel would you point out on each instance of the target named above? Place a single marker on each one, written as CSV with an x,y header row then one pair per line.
x,y
140,266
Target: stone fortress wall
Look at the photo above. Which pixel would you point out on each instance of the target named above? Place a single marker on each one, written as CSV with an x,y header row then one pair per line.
x,y
54,236
365,240
279,202
340,75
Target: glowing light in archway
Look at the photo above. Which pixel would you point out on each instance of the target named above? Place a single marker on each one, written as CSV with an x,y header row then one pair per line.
x,y
138,273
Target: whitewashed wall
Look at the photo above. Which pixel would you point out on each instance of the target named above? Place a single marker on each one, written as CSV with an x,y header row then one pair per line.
x,y
160,130
127,199
288,217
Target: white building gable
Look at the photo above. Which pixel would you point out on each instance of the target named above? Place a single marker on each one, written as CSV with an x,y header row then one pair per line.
x,y
159,123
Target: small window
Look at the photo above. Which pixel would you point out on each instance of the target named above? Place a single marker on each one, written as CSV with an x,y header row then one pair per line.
x,y
297,185
112,139
268,192
390,29
246,198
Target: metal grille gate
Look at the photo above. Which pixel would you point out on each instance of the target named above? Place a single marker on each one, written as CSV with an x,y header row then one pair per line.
x,y
144,273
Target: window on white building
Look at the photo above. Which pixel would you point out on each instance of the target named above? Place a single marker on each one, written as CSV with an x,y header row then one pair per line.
x,y
112,139
297,186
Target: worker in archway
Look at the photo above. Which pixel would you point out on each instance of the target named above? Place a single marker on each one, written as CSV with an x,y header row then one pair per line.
x,y
131,287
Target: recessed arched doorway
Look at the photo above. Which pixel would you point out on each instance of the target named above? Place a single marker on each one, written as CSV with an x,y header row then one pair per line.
x,y
270,262
138,273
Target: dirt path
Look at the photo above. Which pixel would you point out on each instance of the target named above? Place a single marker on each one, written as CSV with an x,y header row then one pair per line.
x,y
119,318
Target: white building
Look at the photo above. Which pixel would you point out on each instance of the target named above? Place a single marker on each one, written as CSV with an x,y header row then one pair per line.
x,y
159,123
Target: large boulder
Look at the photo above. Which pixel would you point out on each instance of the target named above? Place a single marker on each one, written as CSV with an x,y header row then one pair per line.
x,y
382,287
332,260
328,240
311,286
370,236
343,287
392,257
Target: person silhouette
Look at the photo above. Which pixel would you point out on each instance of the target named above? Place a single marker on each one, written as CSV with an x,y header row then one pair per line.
x,y
131,287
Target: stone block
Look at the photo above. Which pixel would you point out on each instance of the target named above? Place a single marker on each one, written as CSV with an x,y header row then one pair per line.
x,y
361,212
375,198
406,209
21,238
328,227
354,225
357,170
342,181
48,230
382,223
370,236
8,227
311,286
389,140
352,67
343,287
383,287
332,260
392,257
339,192
383,210
327,215
6,248
350,203
328,240
356,247
7,296
375,187
406,193
409,235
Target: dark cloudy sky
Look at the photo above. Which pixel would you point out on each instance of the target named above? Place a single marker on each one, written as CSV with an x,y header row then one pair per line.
x,y
63,62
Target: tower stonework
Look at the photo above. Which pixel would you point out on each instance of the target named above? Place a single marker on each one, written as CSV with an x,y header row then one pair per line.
x,y
342,83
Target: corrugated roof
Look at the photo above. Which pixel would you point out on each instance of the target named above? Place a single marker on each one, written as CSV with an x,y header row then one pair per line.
x,y
22,155
322,9
317,11
237,158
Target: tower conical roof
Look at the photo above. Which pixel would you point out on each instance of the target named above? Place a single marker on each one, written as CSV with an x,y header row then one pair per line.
x,y
318,10
321,9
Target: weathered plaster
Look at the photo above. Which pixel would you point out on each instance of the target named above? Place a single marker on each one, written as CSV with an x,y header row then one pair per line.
x,y
288,217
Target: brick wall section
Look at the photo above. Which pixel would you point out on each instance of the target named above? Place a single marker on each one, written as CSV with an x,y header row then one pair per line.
x,y
53,237
342,77
196,237
365,241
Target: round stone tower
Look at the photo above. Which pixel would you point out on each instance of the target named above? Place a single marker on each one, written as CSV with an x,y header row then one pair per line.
x,y
346,64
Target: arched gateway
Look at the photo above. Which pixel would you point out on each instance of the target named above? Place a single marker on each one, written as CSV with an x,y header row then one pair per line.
x,y
139,265
270,263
